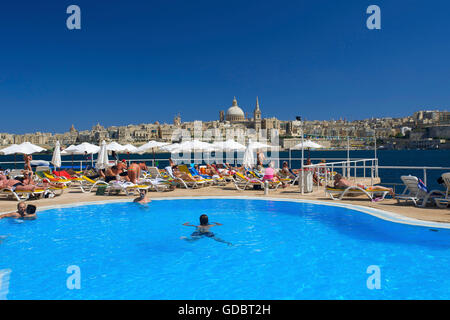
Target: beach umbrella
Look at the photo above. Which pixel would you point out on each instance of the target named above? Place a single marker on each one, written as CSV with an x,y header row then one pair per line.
x,y
171,147
193,146
114,146
84,148
56,158
257,145
23,148
249,158
102,159
307,144
65,152
151,146
6,151
129,148
229,145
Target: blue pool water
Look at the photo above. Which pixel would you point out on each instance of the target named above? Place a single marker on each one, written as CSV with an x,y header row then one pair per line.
x,y
281,250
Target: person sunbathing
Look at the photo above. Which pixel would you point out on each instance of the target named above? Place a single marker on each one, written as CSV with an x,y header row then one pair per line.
x,y
184,176
114,173
341,183
202,230
23,212
15,185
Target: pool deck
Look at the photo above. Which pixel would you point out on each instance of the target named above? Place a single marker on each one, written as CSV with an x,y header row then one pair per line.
x,y
74,196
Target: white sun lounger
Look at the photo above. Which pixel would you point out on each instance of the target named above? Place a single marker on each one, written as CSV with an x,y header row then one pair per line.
x,y
338,194
413,193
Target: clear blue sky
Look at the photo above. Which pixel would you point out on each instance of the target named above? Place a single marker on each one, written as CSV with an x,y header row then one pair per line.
x,y
142,61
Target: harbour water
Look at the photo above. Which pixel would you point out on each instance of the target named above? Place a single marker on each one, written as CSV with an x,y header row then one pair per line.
x,y
416,158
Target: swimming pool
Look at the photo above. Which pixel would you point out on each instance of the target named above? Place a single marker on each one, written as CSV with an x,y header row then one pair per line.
x,y
281,250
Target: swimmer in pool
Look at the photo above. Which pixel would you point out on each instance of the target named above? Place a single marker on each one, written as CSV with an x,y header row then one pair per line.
x,y
143,198
203,230
23,212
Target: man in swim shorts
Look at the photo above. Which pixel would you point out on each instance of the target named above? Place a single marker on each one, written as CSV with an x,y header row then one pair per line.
x,y
203,230
143,198
23,212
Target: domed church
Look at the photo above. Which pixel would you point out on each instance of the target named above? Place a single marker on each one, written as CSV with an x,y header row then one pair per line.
x,y
236,115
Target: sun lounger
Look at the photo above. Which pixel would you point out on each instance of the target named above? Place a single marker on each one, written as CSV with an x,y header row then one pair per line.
x,y
87,185
202,182
128,188
417,192
353,191
21,195
242,182
444,201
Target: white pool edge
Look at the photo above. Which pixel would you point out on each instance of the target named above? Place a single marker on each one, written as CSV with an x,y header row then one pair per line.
x,y
381,214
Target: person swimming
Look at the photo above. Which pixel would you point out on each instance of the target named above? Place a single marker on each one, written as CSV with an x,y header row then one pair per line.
x,y
24,211
202,230
143,197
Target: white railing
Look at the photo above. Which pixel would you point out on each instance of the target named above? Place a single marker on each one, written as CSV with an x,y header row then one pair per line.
x,y
350,169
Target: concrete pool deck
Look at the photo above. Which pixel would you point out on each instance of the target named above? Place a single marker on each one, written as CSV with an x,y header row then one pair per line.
x,y
74,196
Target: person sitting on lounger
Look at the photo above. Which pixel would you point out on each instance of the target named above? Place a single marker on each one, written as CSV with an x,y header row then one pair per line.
x,y
341,183
285,172
270,175
202,230
23,212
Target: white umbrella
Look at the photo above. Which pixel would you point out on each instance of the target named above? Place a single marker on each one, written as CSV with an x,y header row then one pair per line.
x,y
7,150
69,150
23,148
307,144
102,159
85,147
249,158
257,145
114,146
171,147
230,145
56,158
151,146
195,145
129,148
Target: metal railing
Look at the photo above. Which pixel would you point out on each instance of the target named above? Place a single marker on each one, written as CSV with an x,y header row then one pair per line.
x,y
351,168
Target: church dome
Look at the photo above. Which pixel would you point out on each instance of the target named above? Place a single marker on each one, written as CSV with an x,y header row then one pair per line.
x,y
235,113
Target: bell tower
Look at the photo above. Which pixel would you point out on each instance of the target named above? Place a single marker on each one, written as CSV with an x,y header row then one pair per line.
x,y
257,116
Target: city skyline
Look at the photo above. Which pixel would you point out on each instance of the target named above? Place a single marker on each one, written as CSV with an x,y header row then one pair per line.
x,y
153,60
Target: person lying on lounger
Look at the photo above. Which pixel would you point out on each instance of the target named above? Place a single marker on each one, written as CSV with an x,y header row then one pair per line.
x,y
203,230
341,183
184,176
23,212
15,185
